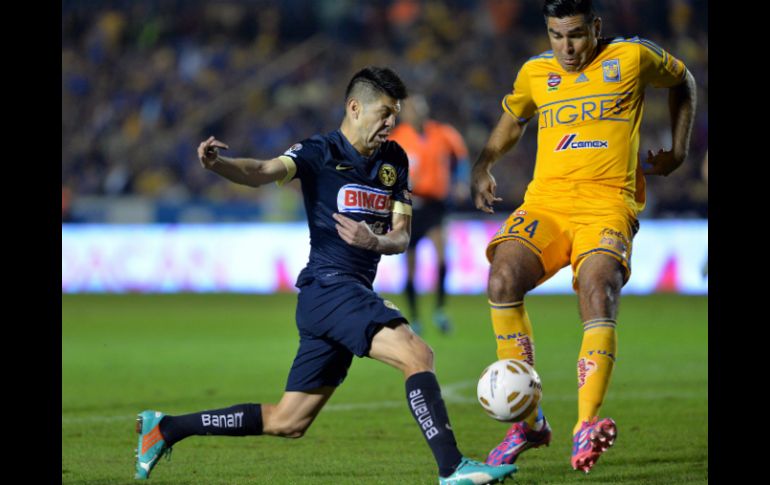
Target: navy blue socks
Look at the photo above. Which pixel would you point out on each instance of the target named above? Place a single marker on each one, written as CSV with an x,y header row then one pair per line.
x,y
238,420
424,397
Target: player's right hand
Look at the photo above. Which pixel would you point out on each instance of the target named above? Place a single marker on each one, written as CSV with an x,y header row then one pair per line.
x,y
208,151
483,187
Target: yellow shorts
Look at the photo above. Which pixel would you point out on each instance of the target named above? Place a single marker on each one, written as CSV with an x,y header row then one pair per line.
x,y
559,238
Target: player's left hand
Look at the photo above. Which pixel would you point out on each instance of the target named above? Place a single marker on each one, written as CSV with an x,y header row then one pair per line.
x,y
661,163
357,234
208,151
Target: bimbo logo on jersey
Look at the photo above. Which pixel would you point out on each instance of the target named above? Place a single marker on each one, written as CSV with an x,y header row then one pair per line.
x,y
568,142
363,199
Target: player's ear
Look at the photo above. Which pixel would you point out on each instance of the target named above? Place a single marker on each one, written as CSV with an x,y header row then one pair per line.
x,y
597,27
354,108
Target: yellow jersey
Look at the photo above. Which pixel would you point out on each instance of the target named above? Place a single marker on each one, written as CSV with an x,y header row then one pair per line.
x,y
588,123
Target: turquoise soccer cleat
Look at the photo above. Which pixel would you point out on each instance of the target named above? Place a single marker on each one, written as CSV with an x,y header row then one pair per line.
x,y
151,446
470,472
442,321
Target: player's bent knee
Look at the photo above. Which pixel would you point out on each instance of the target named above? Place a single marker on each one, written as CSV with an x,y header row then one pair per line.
x,y
601,293
426,356
420,356
503,285
499,285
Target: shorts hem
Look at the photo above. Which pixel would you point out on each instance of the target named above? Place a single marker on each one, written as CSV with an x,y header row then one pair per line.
x,y
583,256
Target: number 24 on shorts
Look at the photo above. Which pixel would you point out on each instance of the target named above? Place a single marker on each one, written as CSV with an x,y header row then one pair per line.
x,y
529,229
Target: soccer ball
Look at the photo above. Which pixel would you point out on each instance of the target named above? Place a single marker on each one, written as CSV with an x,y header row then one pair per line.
x,y
509,390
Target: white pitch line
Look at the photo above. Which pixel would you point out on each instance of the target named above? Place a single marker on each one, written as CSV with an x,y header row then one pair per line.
x,y
451,393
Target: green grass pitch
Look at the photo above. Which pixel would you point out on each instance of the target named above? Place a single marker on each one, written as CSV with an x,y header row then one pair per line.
x,y
184,353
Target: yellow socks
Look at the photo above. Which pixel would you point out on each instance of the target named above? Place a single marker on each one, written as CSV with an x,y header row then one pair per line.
x,y
594,367
513,333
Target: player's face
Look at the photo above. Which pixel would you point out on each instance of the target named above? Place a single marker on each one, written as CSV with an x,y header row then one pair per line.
x,y
378,117
573,40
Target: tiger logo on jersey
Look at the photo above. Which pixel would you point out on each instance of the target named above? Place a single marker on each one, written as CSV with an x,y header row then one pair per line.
x,y
387,175
611,70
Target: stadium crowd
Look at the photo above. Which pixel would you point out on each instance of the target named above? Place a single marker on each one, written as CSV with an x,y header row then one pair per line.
x,y
143,82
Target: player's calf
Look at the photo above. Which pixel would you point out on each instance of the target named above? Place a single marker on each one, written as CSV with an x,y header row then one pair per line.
x,y
295,412
288,430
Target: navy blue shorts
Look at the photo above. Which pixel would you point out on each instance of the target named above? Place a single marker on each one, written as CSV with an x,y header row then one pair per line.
x,y
428,214
335,322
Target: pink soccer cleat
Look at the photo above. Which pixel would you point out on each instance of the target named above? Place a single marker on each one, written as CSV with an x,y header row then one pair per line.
x,y
520,437
593,439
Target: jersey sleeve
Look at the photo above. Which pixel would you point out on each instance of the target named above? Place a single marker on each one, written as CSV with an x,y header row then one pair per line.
x,y
659,68
302,160
519,103
402,189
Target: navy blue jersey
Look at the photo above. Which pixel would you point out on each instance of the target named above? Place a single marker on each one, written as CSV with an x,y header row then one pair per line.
x,y
336,178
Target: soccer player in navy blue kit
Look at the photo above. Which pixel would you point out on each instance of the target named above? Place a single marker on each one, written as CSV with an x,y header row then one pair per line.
x,y
357,198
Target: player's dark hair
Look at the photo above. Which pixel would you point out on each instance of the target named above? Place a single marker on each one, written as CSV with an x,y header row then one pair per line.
x,y
568,8
377,79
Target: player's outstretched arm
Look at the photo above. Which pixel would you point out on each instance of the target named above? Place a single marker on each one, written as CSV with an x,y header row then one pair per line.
x,y
483,186
681,106
359,234
245,171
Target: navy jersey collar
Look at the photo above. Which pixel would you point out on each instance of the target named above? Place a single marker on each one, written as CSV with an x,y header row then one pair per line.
x,y
350,151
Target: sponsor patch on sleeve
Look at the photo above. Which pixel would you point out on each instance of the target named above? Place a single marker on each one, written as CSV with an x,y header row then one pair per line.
x,y
292,151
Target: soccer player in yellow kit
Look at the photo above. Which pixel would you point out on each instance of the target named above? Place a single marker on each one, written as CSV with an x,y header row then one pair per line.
x,y
582,204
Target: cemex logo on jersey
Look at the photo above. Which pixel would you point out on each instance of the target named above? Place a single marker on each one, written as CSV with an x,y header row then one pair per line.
x,y
568,142
363,199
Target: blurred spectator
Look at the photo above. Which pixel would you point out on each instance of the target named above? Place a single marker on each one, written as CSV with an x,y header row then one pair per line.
x,y
142,80
439,173
66,202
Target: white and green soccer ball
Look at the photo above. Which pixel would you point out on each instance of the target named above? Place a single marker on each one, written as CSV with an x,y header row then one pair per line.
x,y
509,390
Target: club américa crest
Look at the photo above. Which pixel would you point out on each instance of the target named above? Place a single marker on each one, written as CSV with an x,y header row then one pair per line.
x,y
387,174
